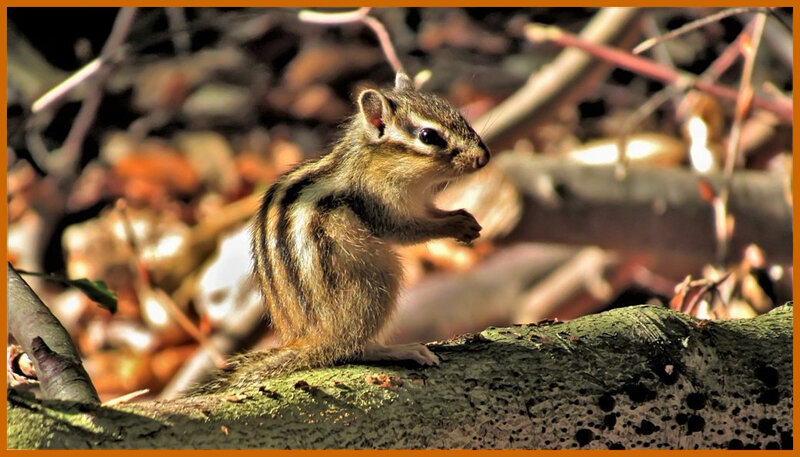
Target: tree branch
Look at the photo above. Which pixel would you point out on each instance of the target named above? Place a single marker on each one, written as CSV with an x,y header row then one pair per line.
x,y
634,377
36,329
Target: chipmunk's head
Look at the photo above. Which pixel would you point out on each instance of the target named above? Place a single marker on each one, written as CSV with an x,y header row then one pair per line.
x,y
421,132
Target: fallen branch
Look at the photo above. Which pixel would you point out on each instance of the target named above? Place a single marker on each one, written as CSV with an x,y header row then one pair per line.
x,y
653,210
634,377
586,269
446,305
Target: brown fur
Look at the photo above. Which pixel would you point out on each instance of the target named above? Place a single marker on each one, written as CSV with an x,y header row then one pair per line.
x,y
321,238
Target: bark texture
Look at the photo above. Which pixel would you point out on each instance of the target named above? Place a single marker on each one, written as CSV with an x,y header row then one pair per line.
x,y
637,377
52,351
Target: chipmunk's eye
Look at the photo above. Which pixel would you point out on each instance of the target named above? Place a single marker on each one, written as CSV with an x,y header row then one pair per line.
x,y
431,137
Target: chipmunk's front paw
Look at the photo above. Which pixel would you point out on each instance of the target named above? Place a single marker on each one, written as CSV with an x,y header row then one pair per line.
x,y
463,226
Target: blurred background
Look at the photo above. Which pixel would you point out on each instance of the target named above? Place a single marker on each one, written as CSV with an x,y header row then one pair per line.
x,y
139,141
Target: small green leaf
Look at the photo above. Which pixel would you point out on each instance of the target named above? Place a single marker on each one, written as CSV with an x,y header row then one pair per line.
x,y
97,291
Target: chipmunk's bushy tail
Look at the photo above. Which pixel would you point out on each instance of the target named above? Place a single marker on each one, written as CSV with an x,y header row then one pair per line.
x,y
249,369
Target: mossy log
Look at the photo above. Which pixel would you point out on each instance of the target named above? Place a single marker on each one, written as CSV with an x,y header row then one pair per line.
x,y
637,377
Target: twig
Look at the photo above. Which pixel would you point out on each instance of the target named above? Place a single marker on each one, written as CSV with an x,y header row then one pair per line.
x,y
64,164
537,33
728,56
62,89
706,286
234,334
347,17
743,107
109,53
566,79
48,344
180,317
146,285
91,68
385,41
769,87
360,15
702,22
652,104
642,112
125,398
37,148
181,39
712,73
660,52
745,98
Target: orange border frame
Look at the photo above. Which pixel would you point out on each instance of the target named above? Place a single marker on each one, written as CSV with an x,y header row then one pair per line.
x,y
497,3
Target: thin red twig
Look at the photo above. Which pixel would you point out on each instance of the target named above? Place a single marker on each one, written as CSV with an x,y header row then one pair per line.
x,y
728,56
712,73
362,16
538,33
744,103
385,41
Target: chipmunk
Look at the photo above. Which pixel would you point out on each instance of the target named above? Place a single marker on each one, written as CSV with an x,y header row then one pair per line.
x,y
321,240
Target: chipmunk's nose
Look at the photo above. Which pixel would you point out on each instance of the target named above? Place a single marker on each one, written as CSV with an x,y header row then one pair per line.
x,y
482,158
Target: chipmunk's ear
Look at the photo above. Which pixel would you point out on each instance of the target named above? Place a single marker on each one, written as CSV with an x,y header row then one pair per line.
x,y
403,82
376,111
